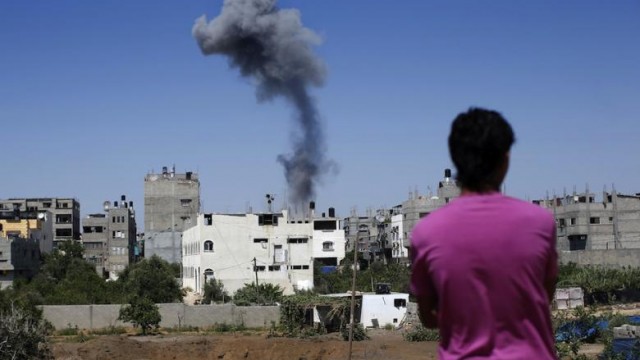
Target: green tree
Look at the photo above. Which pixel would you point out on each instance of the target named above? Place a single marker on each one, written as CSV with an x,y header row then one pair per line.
x,y
152,278
214,292
265,294
141,312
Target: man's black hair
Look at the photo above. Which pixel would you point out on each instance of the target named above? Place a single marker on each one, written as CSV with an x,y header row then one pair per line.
x,y
478,143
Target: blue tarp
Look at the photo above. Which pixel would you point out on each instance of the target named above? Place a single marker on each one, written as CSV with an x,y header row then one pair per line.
x,y
629,348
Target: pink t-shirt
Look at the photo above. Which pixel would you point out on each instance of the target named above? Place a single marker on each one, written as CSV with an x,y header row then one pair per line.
x,y
486,259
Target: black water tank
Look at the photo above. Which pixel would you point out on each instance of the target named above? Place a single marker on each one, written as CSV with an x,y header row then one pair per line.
x,y
447,173
332,212
312,205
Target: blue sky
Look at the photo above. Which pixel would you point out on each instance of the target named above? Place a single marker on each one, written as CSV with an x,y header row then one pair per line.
x,y
93,95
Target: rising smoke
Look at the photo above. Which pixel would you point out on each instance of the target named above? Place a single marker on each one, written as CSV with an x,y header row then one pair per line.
x,y
272,46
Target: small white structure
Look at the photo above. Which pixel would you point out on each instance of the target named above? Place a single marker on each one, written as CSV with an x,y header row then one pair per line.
x,y
377,310
228,246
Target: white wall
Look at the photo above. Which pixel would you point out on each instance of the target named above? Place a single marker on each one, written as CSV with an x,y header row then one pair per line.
x,y
398,242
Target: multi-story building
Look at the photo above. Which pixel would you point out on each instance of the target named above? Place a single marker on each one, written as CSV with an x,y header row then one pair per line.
x,y
419,206
171,205
32,225
65,212
268,247
24,236
586,223
171,201
110,239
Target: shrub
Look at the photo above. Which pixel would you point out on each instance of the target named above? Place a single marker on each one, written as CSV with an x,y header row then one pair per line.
x,y
421,333
23,336
141,312
359,333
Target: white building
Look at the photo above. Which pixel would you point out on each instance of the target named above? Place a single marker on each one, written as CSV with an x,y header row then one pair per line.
x,y
227,246
399,244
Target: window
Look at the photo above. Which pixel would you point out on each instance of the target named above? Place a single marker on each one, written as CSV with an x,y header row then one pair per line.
x,y
267,219
297,240
274,267
46,205
572,221
185,202
594,220
208,219
261,240
259,268
325,225
400,303
423,214
208,246
562,222
208,275
327,246
610,219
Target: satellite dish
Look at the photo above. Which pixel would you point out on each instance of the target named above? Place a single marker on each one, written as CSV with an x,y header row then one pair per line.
x,y
41,216
380,218
106,205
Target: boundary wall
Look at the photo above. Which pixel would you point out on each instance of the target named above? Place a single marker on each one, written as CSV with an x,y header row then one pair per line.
x,y
173,315
608,258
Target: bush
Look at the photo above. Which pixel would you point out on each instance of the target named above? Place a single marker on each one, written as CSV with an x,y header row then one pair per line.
x,y
421,333
141,312
23,336
265,294
358,333
214,292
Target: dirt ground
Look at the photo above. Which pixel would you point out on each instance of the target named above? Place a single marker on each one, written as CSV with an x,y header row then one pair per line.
x,y
382,345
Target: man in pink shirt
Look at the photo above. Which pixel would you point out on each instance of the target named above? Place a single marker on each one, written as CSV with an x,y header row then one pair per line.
x,y
484,266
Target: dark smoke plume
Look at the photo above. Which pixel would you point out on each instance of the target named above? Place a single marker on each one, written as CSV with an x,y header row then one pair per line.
x,y
272,46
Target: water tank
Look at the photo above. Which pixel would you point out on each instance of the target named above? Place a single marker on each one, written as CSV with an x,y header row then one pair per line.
x,y
332,212
312,205
447,173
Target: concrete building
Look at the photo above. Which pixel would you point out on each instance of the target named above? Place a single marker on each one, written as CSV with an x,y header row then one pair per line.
x,y
32,225
171,205
171,201
384,234
281,250
419,206
109,239
24,236
585,222
65,212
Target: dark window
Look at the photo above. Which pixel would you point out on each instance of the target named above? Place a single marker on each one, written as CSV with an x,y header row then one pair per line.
x,y
260,268
572,221
297,240
610,218
562,222
63,232
185,202
327,246
594,220
261,240
208,219
274,267
208,246
399,303
423,214
267,219
324,225
577,242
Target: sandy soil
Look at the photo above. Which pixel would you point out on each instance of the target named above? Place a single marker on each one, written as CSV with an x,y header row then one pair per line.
x,y
382,345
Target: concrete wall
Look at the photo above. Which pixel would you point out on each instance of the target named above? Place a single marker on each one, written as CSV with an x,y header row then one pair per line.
x,y
609,258
173,315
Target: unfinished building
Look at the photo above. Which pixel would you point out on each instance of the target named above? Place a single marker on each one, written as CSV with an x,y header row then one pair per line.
x,y
585,222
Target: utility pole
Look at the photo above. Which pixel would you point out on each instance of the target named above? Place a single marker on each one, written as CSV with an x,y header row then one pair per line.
x,y
353,287
255,270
